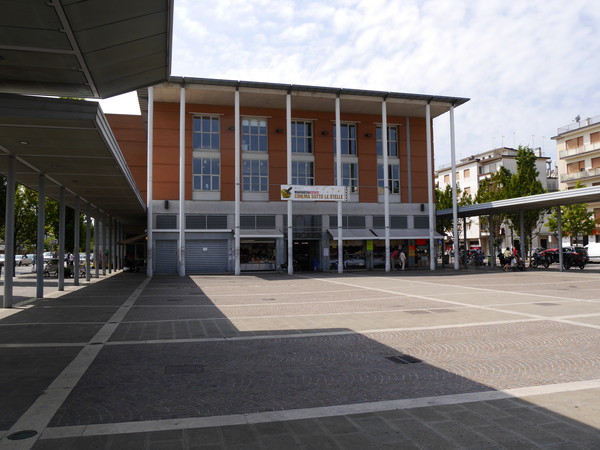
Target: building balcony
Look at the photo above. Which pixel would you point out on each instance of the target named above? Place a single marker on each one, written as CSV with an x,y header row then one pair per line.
x,y
588,173
595,147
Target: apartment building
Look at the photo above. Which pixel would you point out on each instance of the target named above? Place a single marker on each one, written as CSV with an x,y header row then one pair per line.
x,y
203,131
578,150
469,173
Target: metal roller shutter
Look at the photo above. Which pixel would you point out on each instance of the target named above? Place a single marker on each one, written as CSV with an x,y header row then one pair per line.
x,y
209,256
166,256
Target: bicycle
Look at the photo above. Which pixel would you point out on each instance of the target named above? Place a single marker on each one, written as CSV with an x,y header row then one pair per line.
x,y
283,268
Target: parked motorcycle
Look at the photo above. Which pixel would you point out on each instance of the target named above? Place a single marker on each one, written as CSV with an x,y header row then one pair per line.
x,y
540,259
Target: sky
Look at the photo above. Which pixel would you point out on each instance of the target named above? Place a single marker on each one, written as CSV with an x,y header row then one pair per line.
x,y
528,66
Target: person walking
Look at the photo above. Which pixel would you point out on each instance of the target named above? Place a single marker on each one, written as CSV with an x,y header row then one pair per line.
x,y
394,257
402,259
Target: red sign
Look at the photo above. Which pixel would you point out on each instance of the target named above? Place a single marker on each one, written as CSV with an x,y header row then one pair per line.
x,y
421,241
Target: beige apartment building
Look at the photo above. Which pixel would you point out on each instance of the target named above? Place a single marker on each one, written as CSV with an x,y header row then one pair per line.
x,y
578,151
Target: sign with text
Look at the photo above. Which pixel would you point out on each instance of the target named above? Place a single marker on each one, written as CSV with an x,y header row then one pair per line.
x,y
314,193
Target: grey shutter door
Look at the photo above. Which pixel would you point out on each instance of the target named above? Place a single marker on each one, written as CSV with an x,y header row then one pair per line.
x,y
209,256
166,257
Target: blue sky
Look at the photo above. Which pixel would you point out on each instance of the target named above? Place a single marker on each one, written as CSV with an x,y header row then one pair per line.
x,y
528,67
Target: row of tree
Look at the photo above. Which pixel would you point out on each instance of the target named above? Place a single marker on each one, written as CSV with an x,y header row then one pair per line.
x,y
26,214
501,185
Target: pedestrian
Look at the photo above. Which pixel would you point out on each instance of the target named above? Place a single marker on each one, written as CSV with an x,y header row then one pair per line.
x,y
394,258
507,258
402,259
70,258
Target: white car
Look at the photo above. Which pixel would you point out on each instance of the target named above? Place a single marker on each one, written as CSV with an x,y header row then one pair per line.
x,y
23,260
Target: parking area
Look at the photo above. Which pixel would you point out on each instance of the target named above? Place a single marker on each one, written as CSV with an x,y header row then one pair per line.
x,y
468,359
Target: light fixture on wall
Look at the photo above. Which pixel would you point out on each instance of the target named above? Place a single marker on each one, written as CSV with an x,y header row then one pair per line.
x,y
422,207
231,128
279,130
324,133
166,204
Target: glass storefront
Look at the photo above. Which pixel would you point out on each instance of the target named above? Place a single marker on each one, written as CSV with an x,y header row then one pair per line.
x,y
257,254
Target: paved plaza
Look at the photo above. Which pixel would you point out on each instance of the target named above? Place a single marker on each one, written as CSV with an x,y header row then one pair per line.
x,y
364,360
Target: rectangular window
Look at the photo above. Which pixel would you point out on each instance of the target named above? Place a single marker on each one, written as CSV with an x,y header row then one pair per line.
x,y
166,221
466,191
392,141
575,167
596,162
421,222
349,175
467,173
348,222
254,135
348,138
595,137
302,136
205,222
447,179
575,143
255,175
393,178
396,222
250,222
205,134
206,174
303,173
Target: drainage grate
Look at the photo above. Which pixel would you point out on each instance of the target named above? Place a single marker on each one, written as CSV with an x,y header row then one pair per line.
x,y
417,311
546,304
403,359
184,369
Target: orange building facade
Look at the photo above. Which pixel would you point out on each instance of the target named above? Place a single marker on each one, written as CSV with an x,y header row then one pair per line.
x,y
285,134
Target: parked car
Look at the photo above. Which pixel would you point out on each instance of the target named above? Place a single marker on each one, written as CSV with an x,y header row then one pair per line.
x,y
23,260
593,251
354,261
48,256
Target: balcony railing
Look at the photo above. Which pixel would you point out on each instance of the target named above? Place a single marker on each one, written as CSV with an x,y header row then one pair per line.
x,y
566,177
579,150
580,124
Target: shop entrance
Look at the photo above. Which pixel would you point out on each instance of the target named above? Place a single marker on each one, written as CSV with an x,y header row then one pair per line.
x,y
306,252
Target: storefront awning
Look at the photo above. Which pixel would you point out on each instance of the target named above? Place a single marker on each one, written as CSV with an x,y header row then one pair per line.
x,y
257,234
406,234
131,240
353,235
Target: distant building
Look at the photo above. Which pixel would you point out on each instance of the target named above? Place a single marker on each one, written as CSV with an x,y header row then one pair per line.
x,y
578,150
472,170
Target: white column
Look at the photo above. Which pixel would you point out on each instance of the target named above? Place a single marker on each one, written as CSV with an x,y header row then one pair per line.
x,y
104,242
111,235
432,256
182,182
88,238
290,216
9,239
76,235
522,234
408,161
61,239
238,269
455,236
39,256
97,255
149,193
339,182
386,182
559,227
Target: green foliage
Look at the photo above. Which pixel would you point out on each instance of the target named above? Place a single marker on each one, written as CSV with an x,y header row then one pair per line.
x,y
576,220
444,201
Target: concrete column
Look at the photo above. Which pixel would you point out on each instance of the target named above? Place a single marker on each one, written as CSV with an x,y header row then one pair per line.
x,y
9,239
76,233
111,234
182,182
149,186
97,250
432,249
104,242
237,183
408,161
290,214
338,164
455,236
39,256
386,182
522,233
559,226
61,239
88,238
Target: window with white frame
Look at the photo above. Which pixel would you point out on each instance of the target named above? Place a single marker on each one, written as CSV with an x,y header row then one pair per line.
x,y
392,140
255,175
206,174
302,136
205,133
393,178
348,134
303,173
349,175
254,135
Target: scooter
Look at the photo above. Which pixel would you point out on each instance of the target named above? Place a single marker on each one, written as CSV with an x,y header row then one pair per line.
x,y
539,260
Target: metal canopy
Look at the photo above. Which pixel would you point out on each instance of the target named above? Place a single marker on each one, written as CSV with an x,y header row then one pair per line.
x,y
71,143
541,201
84,49
205,91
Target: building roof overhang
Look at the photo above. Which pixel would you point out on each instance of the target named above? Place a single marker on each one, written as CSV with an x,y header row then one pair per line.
x,y
84,49
540,201
71,143
307,98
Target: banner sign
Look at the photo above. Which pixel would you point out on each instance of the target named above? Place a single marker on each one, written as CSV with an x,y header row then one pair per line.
x,y
314,193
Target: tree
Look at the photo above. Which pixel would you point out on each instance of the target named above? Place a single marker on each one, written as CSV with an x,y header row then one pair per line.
x,y
444,201
576,220
524,183
492,189
26,212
